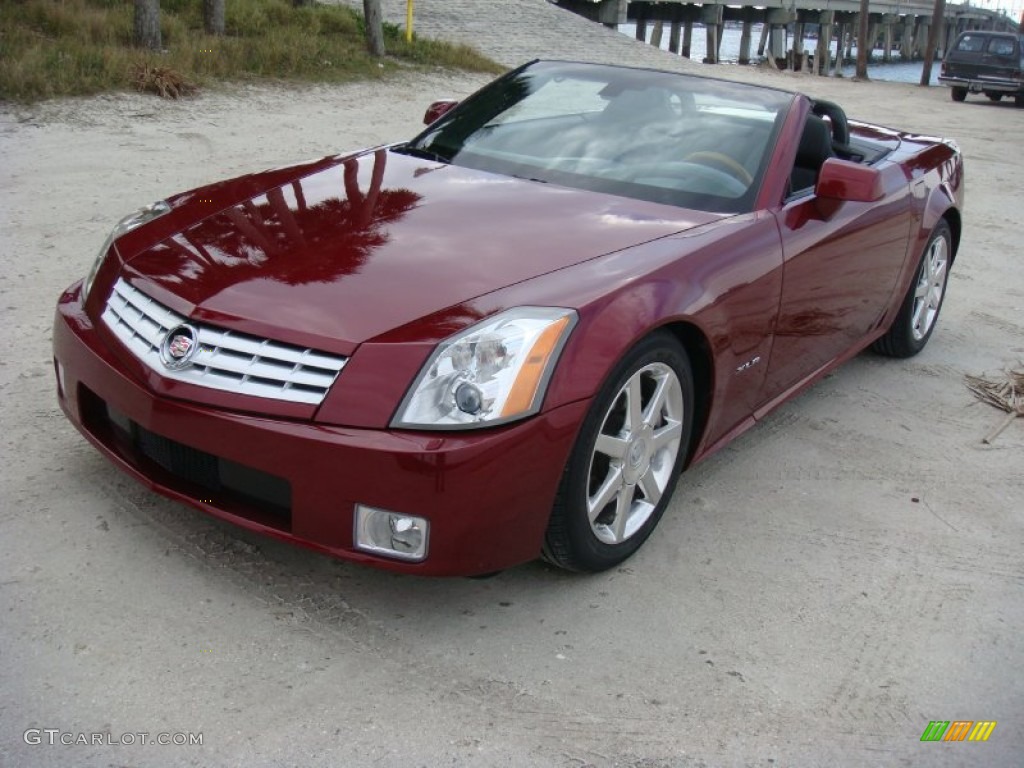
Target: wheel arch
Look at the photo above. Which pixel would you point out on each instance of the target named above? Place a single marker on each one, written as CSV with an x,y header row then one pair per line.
x,y
941,205
582,374
955,222
698,350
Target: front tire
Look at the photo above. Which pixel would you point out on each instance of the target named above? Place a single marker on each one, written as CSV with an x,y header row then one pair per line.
x,y
958,93
626,461
919,312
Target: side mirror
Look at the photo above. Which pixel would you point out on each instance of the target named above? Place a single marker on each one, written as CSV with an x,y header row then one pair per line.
x,y
438,108
851,182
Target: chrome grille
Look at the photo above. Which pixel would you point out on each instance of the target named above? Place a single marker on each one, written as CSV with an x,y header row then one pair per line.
x,y
226,360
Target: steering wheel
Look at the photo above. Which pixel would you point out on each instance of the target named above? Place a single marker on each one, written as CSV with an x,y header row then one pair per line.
x,y
698,178
719,160
835,114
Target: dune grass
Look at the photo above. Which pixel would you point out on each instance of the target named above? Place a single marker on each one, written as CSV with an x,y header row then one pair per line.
x,y
54,48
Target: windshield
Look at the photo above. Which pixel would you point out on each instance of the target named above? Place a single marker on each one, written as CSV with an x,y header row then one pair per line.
x,y
667,138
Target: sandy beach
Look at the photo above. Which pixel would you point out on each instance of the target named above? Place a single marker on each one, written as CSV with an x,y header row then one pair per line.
x,y
846,572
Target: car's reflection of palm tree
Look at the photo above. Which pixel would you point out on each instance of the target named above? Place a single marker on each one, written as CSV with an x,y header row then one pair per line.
x,y
298,243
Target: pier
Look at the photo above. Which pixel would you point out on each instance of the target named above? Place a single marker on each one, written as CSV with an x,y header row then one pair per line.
x,y
898,27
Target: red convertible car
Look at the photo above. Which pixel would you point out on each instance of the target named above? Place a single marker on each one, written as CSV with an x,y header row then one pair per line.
x,y
507,337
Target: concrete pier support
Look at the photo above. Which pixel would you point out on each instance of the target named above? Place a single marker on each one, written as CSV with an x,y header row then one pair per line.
x,y
687,38
773,34
711,15
745,42
777,42
952,30
611,13
907,39
796,58
888,23
711,44
823,53
921,32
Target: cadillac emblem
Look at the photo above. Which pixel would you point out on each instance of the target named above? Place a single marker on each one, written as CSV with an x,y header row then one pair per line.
x,y
179,347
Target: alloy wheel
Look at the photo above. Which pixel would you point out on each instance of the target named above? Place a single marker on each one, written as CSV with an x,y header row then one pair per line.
x,y
635,453
930,286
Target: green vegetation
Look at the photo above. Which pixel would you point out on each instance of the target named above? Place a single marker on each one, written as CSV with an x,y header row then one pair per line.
x,y
75,47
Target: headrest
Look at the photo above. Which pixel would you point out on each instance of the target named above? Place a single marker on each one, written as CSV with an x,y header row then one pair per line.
x,y
815,143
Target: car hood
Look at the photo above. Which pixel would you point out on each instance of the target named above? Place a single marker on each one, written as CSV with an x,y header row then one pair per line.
x,y
340,251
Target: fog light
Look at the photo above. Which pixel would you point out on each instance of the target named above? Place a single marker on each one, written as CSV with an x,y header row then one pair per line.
x,y
391,533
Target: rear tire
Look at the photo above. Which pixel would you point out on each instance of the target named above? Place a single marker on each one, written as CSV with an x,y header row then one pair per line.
x,y
919,312
958,93
626,461
1018,100
994,96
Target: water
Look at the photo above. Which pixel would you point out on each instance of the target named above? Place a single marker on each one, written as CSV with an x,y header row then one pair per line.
x,y
898,71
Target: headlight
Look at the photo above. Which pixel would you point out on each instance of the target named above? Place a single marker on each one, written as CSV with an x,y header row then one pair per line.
x,y
127,224
495,372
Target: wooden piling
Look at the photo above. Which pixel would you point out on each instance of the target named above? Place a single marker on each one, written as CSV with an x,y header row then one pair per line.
x,y
837,70
656,33
673,34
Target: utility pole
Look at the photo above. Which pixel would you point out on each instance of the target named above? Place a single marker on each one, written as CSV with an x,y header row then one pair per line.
x,y
862,41
933,37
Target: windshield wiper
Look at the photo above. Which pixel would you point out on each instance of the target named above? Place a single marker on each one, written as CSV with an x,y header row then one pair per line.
x,y
426,154
529,178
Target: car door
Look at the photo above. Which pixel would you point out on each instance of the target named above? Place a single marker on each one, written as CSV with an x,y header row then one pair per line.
x,y
841,262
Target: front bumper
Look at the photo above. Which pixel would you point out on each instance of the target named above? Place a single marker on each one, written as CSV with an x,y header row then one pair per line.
x,y
979,85
487,494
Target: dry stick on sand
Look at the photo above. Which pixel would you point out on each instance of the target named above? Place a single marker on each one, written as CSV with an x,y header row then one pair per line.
x,y
1007,395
